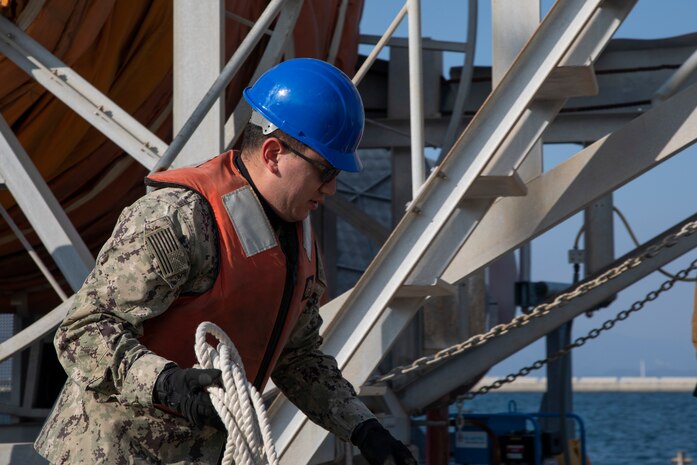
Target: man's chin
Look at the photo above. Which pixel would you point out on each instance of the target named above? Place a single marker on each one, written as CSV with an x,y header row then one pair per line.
x,y
299,217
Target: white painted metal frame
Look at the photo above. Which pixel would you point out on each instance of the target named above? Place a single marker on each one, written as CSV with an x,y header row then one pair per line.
x,y
527,130
556,195
598,169
83,98
43,211
364,313
416,99
672,85
460,369
450,181
36,331
565,190
226,75
199,42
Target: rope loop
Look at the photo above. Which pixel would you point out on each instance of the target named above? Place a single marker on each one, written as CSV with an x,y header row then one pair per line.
x,y
238,403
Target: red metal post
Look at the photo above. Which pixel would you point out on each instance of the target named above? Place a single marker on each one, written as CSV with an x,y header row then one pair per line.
x,y
437,436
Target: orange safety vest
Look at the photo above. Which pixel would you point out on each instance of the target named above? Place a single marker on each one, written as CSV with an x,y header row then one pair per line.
x,y
246,300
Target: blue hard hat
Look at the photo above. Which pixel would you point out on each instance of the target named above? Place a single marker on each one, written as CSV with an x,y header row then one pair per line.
x,y
315,103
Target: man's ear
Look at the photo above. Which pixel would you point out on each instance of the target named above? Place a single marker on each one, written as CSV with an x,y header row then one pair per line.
x,y
271,149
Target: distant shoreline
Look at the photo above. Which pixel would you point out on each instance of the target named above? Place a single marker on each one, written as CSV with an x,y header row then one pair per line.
x,y
583,384
601,384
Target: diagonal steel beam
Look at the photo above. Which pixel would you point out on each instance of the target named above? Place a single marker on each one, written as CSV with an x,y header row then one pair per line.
x,y
527,131
403,310
430,210
43,211
78,94
353,215
655,137
449,183
602,167
37,330
461,368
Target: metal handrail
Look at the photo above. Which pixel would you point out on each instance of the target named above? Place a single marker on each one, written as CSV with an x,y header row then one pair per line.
x,y
678,78
415,44
416,98
363,70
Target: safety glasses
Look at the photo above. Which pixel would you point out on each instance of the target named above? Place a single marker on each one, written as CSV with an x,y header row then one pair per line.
x,y
326,173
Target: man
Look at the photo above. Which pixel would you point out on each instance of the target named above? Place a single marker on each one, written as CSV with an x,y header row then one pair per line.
x,y
228,241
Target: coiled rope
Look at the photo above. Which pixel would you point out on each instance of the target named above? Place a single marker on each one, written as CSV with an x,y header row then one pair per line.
x,y
238,403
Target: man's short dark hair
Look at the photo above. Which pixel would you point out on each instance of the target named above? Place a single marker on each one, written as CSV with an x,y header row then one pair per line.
x,y
253,138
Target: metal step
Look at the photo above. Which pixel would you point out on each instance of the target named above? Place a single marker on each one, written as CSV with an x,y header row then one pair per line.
x,y
436,288
492,187
569,81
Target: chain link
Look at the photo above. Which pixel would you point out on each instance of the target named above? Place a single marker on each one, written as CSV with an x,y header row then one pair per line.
x,y
545,308
593,333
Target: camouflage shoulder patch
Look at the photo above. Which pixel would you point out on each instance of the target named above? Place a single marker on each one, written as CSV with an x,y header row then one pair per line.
x,y
167,251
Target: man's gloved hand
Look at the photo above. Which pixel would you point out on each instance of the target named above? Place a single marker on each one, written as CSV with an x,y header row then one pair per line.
x,y
378,446
183,390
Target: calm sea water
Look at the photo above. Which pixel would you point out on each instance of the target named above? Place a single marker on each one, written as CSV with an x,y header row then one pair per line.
x,y
621,428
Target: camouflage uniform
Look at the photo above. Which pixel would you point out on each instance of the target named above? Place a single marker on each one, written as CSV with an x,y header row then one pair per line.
x,y
105,412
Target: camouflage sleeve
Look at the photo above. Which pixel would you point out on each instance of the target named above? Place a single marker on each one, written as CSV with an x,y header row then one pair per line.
x,y
97,343
311,379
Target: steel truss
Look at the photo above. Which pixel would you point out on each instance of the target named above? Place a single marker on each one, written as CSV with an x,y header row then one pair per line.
x,y
418,250
452,228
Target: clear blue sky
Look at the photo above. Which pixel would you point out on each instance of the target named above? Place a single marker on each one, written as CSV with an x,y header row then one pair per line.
x,y
660,333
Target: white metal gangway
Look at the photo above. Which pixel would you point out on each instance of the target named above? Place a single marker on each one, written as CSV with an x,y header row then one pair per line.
x,y
446,234
473,208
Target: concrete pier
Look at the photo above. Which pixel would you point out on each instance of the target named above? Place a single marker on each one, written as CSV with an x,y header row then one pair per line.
x,y
602,384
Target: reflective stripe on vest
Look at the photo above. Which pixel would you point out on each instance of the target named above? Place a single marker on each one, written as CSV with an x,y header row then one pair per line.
x,y
245,300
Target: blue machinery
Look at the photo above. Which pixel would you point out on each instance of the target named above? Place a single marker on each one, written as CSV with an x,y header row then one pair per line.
x,y
511,438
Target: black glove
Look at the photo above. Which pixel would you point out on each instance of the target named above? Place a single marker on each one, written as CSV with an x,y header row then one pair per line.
x,y
378,446
183,391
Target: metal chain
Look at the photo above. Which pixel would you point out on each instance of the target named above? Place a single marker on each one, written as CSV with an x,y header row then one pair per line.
x,y
539,311
592,334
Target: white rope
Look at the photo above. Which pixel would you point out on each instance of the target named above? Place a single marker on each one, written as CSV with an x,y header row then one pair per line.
x,y
238,403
